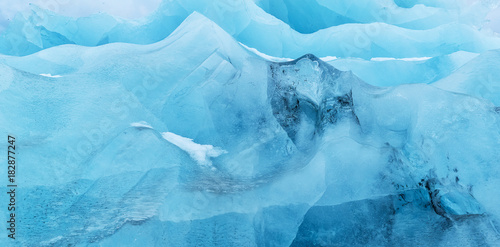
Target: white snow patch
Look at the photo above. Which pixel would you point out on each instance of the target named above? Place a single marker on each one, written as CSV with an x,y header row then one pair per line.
x,y
265,56
280,59
200,153
141,124
408,59
329,58
52,76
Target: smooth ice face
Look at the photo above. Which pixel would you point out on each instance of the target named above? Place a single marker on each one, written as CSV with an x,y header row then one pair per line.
x,y
201,139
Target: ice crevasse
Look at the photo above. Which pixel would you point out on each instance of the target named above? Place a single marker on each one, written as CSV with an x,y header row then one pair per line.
x,y
208,134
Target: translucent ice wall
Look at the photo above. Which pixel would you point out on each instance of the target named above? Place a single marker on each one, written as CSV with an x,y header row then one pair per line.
x,y
266,123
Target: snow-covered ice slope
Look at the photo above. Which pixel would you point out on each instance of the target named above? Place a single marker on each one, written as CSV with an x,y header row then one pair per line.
x,y
190,128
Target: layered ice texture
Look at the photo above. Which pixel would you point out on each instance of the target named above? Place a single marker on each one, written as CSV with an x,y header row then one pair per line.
x,y
266,123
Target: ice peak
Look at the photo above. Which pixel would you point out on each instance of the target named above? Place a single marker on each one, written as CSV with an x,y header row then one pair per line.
x,y
308,94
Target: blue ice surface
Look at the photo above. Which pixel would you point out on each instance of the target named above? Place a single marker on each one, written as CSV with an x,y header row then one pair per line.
x,y
194,127
367,28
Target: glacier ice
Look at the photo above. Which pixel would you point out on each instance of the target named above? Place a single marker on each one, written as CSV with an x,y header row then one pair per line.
x,y
477,77
398,71
377,36
313,15
193,127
